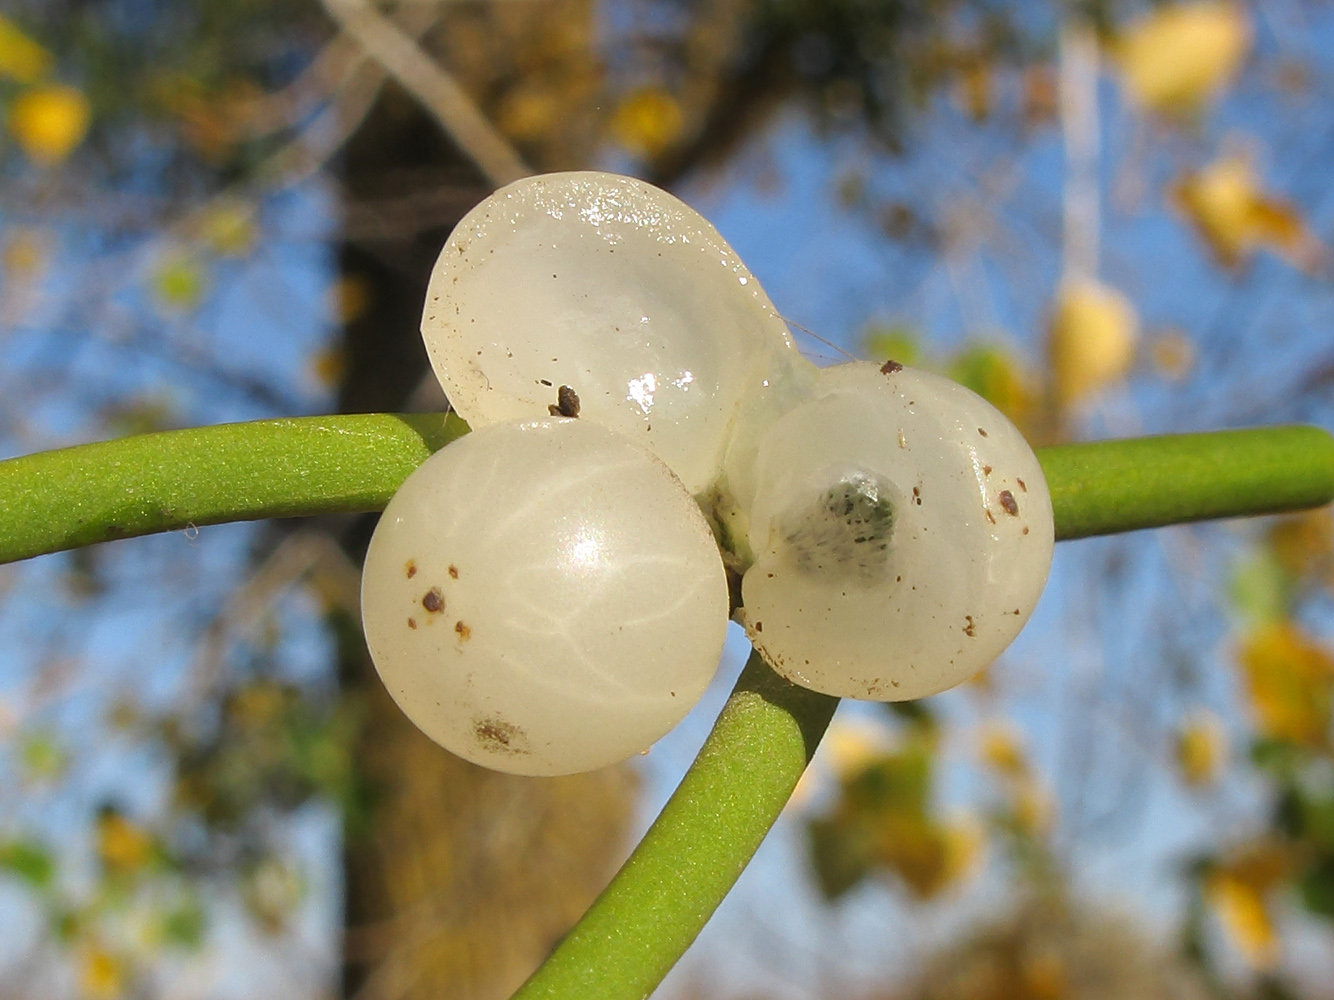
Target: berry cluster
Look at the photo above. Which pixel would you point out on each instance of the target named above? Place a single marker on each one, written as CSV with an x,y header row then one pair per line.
x,y
549,593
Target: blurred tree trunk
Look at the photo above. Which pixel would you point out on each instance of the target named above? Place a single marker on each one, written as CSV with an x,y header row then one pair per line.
x,y
458,880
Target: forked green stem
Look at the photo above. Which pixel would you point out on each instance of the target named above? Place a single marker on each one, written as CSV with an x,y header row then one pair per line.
x,y
766,734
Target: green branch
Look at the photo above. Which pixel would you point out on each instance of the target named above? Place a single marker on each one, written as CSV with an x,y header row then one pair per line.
x,y
769,729
58,500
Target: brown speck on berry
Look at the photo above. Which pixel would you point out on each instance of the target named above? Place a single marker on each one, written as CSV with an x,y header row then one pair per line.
x,y
465,633
982,432
453,572
499,736
410,568
890,367
1008,503
434,601
1021,484
567,403
969,629
412,623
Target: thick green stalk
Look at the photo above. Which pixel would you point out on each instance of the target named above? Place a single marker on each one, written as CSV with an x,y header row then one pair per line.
x,y
767,732
58,500
1111,486
697,847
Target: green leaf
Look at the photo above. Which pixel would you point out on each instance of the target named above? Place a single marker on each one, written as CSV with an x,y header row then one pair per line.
x,y
1259,589
892,343
1317,887
29,861
184,925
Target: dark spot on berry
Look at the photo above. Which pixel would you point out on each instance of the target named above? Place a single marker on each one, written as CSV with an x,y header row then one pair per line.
x,y
982,432
567,403
759,626
917,496
465,633
412,623
434,601
986,470
453,572
890,367
990,516
410,568
543,381
499,736
1008,503
969,630
1021,484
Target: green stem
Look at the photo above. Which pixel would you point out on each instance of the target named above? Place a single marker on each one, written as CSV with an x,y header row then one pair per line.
x,y
1112,486
765,735
697,847
58,500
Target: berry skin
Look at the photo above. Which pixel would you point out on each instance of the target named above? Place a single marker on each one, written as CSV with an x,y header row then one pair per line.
x,y
544,598
617,291
902,533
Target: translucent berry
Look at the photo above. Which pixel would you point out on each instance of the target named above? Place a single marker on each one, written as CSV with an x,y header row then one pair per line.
x,y
544,597
617,291
902,532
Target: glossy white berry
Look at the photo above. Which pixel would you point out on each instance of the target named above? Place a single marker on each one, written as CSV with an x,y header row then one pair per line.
x,y
544,598
616,289
902,530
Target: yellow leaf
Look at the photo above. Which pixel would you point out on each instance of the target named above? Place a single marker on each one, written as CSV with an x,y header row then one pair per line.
x,y
530,113
914,847
48,122
1303,544
1002,750
122,845
350,297
975,89
850,745
1231,213
847,747
1201,748
101,975
1034,810
1238,890
228,227
25,253
965,846
328,366
1093,333
1180,56
647,121
1172,354
1288,680
21,58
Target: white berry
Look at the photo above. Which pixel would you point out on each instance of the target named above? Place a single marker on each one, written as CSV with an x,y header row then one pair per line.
x,y
621,292
902,531
544,598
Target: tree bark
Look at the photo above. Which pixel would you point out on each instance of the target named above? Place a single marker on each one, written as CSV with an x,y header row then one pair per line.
x,y
458,880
